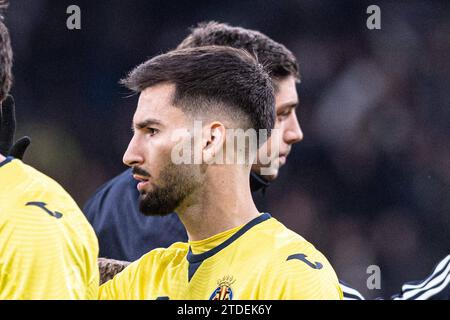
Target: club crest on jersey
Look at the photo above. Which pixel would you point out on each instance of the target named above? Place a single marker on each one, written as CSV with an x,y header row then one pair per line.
x,y
223,291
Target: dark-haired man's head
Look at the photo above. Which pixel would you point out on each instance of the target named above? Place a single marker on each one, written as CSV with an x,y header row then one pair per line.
x,y
221,88
5,55
283,68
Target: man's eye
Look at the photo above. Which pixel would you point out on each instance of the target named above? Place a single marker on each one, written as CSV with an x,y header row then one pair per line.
x,y
152,131
284,115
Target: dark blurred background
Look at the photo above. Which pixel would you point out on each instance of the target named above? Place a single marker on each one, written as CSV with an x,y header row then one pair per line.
x,y
370,183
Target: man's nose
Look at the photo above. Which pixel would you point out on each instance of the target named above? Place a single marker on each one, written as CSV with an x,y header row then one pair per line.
x,y
293,133
133,155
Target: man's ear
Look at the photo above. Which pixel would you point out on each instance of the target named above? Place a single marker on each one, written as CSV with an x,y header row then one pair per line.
x,y
214,138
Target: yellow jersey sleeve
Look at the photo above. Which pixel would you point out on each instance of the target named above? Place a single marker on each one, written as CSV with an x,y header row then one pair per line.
x,y
48,250
119,287
135,281
143,279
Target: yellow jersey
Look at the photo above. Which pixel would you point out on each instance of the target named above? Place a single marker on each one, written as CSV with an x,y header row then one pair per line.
x,y
48,250
262,260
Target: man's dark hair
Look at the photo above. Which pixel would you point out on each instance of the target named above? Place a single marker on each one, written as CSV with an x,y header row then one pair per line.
x,y
5,55
212,79
277,59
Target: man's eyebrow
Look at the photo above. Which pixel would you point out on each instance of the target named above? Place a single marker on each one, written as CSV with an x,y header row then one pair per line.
x,y
146,123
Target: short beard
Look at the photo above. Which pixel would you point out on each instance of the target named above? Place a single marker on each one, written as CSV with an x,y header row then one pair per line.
x,y
177,183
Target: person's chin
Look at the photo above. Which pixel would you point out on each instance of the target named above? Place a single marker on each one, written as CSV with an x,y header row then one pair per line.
x,y
143,187
146,188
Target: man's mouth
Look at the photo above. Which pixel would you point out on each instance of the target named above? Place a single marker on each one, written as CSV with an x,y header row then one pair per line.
x,y
283,157
143,181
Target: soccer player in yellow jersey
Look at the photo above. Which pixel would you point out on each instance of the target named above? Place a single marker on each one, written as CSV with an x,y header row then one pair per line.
x,y
234,251
48,250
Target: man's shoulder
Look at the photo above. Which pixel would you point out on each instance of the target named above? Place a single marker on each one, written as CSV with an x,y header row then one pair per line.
x,y
294,265
162,257
177,249
291,249
281,238
29,187
19,173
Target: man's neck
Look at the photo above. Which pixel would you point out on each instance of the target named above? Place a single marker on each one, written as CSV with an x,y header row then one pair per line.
x,y
220,205
2,158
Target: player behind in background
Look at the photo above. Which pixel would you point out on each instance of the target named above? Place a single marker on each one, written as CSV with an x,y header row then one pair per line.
x,y
234,251
48,250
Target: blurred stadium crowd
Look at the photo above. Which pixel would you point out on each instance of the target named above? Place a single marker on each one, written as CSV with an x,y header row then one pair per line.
x,y
369,184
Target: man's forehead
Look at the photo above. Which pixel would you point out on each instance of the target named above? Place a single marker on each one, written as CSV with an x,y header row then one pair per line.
x,y
155,99
161,94
156,102
286,92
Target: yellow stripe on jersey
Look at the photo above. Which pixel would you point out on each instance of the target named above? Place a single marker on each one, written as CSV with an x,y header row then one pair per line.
x,y
48,250
261,260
